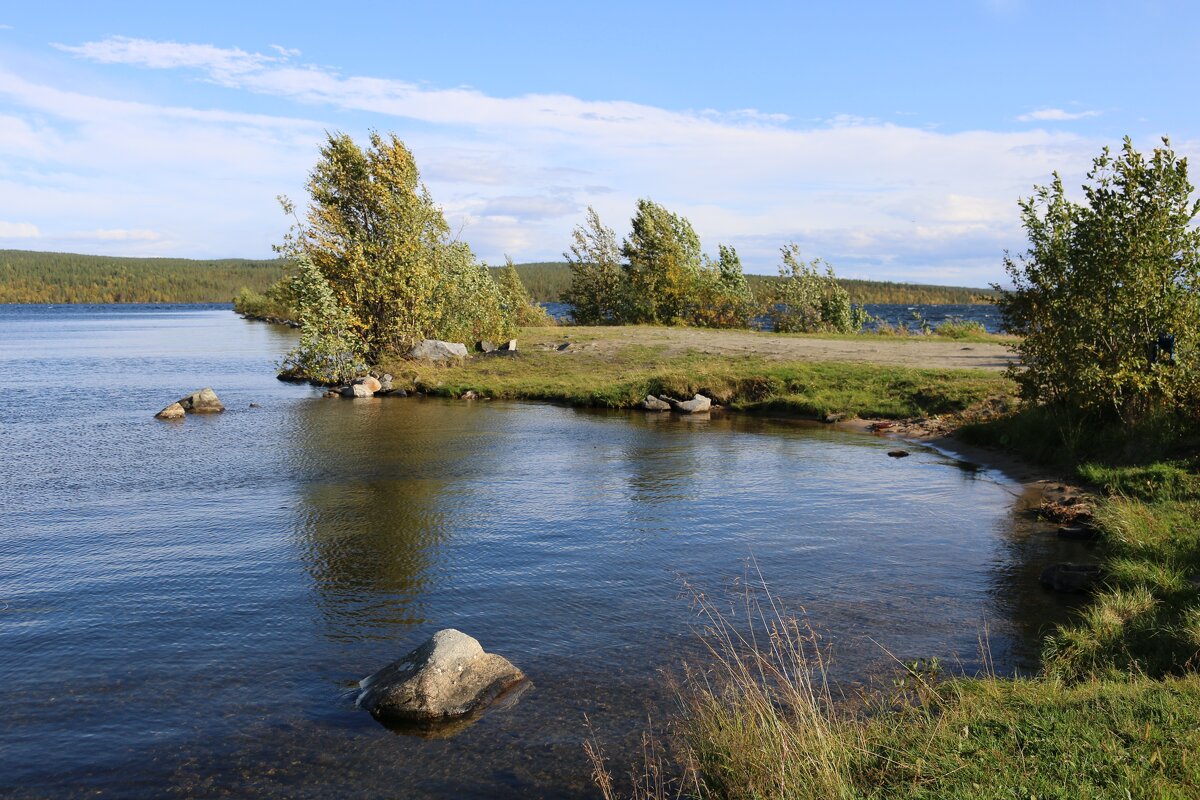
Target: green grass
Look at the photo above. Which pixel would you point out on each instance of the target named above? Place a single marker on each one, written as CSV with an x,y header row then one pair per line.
x,y
1114,712
621,379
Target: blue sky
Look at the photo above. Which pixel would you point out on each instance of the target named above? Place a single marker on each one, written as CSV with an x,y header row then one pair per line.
x,y
891,139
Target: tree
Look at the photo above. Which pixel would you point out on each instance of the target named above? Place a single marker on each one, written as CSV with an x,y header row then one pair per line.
x,y
516,300
723,298
808,298
1107,297
597,293
662,265
329,349
374,234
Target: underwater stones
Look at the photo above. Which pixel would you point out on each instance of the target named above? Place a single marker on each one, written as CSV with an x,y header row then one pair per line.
x,y
1069,577
447,677
898,453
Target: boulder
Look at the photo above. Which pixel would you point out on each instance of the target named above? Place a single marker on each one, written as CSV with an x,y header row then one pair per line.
x,y
1068,577
173,411
562,348
357,390
697,405
445,678
385,383
508,347
470,394
437,350
204,401
652,403
484,346
898,453
370,381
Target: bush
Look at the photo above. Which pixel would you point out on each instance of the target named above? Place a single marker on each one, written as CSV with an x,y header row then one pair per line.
x,y
809,299
1107,297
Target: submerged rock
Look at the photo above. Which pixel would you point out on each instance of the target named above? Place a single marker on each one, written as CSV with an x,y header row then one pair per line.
x,y
173,411
204,401
1068,577
652,403
697,405
898,453
437,350
447,677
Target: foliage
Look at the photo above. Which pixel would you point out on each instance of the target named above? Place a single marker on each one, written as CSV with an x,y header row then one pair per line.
x,y
277,304
597,291
516,301
330,350
722,296
961,329
807,301
375,235
662,266
28,276
1102,281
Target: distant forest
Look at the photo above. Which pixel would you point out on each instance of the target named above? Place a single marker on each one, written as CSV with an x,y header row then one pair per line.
x,y
33,277
547,280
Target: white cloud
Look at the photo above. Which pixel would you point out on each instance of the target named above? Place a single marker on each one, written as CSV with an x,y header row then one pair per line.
x,y
1056,115
515,172
118,235
18,230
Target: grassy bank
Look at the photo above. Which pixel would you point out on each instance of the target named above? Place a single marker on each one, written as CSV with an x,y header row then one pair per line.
x,y
1115,711
618,367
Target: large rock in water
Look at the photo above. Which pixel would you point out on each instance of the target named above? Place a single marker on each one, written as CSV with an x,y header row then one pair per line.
x,y
437,350
652,403
204,401
173,411
370,382
447,677
697,405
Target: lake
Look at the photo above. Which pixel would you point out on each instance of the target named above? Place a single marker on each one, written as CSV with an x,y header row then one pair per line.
x,y
186,607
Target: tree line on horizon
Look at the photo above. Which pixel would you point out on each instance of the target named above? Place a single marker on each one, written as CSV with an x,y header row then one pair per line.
x,y
38,277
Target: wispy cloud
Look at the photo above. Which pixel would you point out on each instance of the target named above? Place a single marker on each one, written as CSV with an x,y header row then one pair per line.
x,y
18,230
515,172
1056,115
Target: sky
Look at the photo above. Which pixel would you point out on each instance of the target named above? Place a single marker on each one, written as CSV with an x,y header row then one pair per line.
x,y
893,140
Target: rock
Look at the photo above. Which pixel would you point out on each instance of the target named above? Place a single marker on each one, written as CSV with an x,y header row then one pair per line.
x,y
834,417
255,405
508,347
445,678
357,390
563,347
437,350
484,346
370,381
1068,577
470,394
697,405
652,403
1083,533
173,411
898,453
398,393
204,401
330,393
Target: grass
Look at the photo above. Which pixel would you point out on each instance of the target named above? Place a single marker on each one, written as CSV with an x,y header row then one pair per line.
x,y
1114,712
621,372
762,721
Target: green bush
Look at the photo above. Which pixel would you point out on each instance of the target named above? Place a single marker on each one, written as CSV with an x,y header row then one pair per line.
x,y
1105,285
809,299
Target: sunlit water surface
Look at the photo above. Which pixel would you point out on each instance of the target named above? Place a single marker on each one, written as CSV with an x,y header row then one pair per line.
x,y
185,607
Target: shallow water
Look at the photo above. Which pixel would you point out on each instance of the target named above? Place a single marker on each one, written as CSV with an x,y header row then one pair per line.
x,y
185,607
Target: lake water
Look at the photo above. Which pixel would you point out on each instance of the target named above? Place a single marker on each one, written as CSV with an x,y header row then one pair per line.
x,y
185,607
894,314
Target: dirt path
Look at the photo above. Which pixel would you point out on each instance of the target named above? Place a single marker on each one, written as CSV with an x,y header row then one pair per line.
x,y
910,352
